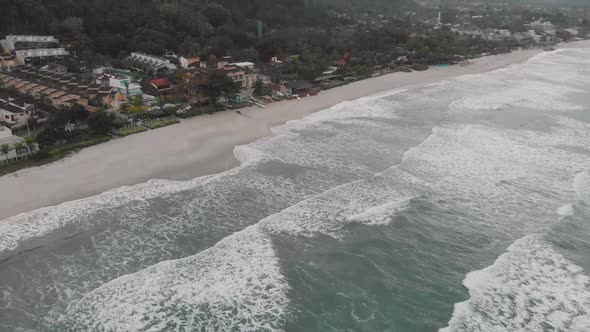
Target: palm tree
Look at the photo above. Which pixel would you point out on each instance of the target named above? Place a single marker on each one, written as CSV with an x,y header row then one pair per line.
x,y
30,142
18,147
126,83
5,148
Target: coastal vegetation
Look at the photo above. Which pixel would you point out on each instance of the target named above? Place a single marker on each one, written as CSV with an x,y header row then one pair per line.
x,y
131,131
160,124
197,110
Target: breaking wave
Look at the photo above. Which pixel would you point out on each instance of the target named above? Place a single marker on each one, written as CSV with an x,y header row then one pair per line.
x,y
532,287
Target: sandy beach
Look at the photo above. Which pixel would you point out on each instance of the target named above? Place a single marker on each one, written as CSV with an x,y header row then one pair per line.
x,y
198,146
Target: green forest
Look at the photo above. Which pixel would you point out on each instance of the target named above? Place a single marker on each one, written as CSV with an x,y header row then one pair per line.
x,y
98,29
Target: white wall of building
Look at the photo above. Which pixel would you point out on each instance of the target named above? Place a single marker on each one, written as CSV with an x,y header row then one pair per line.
x,y
22,55
5,132
10,40
124,84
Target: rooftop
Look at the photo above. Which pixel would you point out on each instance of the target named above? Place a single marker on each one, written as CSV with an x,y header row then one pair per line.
x,y
160,83
11,108
299,85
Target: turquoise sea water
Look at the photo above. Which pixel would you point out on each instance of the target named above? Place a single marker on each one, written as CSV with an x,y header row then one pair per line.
x,y
457,206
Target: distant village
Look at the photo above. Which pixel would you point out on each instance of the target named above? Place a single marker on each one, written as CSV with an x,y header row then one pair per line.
x,y
40,78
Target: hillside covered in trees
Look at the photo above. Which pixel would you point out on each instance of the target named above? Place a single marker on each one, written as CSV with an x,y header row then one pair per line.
x,y
102,29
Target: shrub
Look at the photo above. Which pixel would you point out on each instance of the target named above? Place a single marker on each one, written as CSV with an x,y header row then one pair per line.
x,y
164,123
42,154
130,131
198,110
420,67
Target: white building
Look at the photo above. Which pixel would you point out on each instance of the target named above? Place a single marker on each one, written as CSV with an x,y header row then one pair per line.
x,y
124,85
249,65
573,31
24,55
186,62
151,62
5,132
7,138
10,42
15,113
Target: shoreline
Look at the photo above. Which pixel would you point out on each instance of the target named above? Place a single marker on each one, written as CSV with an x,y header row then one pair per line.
x,y
199,146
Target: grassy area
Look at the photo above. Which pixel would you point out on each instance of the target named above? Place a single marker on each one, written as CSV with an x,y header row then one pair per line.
x,y
45,157
163,123
130,131
64,150
21,164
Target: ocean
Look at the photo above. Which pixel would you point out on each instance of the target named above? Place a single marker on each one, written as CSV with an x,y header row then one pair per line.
x,y
457,206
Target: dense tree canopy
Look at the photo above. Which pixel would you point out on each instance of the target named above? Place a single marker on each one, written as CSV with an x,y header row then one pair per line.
x,y
103,29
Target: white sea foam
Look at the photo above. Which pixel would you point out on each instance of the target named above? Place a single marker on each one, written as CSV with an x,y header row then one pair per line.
x,y
381,214
370,106
247,154
532,287
234,285
528,93
42,221
582,186
566,210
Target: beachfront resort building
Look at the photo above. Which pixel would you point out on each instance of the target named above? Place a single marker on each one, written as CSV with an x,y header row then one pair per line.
x,y
243,75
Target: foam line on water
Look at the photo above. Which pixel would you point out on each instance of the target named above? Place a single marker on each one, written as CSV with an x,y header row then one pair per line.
x,y
371,202
531,287
236,284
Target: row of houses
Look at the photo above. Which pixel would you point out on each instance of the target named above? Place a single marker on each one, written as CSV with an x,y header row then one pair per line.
x,y
108,87
22,49
147,62
61,89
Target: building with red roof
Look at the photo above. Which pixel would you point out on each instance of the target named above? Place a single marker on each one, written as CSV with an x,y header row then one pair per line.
x,y
158,86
